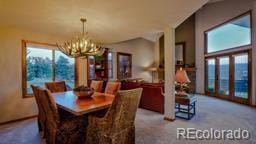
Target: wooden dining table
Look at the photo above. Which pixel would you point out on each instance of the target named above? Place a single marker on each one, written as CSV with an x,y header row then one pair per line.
x,y
80,106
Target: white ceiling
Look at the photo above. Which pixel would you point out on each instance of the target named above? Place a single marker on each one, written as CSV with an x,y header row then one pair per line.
x,y
109,21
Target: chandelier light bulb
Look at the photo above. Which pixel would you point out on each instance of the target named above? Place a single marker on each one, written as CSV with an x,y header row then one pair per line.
x,y
81,46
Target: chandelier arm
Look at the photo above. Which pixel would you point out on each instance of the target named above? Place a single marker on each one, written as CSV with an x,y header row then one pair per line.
x,y
62,49
81,46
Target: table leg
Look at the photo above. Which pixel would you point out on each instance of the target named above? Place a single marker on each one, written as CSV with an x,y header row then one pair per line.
x,y
194,108
188,111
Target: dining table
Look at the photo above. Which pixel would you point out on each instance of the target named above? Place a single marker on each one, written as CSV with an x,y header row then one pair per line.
x,y
81,106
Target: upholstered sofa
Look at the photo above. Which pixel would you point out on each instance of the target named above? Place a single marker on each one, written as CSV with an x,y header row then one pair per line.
x,y
152,97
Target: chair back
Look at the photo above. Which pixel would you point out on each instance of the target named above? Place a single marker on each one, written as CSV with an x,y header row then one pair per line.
x,y
96,85
41,112
35,92
56,86
122,112
112,87
50,106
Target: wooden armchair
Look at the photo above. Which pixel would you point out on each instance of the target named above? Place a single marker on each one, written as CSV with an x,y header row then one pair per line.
x,y
117,126
41,119
61,129
56,86
97,85
112,87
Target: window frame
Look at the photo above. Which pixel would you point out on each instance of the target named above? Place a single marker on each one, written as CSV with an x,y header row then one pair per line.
x,y
232,49
24,65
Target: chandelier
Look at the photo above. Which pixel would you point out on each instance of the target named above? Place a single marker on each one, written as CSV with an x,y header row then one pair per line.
x,y
81,46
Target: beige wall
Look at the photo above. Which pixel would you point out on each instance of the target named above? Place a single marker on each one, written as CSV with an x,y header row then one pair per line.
x,y
212,15
186,33
142,56
12,105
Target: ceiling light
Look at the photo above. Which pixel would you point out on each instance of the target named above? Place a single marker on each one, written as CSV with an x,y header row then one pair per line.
x,y
81,46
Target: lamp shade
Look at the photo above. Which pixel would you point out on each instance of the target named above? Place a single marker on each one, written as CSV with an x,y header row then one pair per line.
x,y
181,76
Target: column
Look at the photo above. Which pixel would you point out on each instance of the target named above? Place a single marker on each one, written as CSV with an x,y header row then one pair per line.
x,y
169,66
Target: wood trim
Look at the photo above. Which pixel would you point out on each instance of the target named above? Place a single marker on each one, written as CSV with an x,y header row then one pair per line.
x,y
169,119
24,65
24,70
40,43
228,21
118,66
228,51
17,120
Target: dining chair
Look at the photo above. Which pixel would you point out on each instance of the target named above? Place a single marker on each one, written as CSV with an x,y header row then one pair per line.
x,y
96,85
112,87
117,126
59,129
56,86
41,119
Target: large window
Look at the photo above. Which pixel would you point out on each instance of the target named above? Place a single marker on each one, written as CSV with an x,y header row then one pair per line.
x,y
235,33
43,63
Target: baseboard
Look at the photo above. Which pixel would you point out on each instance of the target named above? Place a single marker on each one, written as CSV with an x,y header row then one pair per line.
x,y
16,120
169,119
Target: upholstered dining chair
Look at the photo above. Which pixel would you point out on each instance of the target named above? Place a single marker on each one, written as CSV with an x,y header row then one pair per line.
x,y
59,129
112,87
56,86
96,85
41,119
117,126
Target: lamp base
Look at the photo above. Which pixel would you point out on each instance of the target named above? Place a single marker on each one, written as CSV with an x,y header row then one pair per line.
x,y
181,93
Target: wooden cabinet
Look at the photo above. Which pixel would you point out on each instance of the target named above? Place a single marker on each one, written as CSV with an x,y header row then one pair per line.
x,y
100,67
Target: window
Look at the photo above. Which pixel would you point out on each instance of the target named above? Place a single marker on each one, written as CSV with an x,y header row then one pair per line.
x,y
210,75
43,63
233,34
223,76
241,75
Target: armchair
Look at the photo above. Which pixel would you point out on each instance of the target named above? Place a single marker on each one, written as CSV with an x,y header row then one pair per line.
x,y
117,126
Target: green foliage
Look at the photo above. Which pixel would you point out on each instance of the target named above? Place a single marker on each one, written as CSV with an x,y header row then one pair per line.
x,y
41,68
64,70
38,67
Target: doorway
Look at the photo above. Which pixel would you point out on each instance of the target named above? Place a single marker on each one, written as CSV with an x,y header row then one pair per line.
x,y
228,76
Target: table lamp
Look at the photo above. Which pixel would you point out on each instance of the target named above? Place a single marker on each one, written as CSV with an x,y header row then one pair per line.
x,y
153,70
181,77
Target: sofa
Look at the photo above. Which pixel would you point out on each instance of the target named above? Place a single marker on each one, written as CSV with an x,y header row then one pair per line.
x,y
152,97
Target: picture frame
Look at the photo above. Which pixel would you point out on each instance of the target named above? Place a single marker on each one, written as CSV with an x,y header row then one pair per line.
x,y
124,65
180,52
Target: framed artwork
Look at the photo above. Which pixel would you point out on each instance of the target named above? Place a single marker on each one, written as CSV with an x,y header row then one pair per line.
x,y
180,51
124,65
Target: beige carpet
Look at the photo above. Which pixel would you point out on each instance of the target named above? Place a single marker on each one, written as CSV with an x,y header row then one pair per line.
x,y
152,129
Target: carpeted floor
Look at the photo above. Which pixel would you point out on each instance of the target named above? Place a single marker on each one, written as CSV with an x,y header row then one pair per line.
x,y
152,129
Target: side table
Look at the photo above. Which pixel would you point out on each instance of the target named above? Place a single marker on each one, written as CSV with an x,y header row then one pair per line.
x,y
185,105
